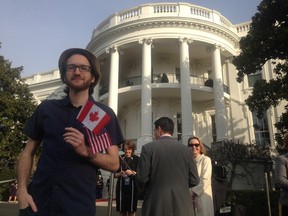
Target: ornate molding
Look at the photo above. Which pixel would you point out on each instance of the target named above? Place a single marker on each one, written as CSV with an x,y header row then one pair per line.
x,y
185,40
225,33
112,49
147,41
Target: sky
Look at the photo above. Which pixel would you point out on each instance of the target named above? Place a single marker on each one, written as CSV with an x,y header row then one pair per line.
x,y
33,33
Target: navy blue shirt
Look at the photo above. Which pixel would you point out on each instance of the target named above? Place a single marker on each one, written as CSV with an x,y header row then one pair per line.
x,y
64,181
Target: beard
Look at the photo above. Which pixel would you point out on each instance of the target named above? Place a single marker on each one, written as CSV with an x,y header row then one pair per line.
x,y
81,85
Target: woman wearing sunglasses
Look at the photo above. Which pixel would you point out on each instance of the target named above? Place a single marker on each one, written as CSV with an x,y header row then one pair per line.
x,y
202,193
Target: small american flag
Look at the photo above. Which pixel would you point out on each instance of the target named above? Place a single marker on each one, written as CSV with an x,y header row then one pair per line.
x,y
98,142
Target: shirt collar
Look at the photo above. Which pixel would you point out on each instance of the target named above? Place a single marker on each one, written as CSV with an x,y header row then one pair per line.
x,y
67,102
165,135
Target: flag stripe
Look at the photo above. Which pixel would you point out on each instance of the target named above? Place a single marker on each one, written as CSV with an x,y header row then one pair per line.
x,y
85,110
98,142
91,138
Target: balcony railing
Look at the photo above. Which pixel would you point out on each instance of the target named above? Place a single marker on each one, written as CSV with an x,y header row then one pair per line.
x,y
145,11
170,78
209,83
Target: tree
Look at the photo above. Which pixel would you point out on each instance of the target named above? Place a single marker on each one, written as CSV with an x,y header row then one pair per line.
x,y
16,106
267,40
234,154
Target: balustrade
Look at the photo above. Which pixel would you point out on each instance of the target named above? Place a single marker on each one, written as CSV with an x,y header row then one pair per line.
x,y
157,78
162,9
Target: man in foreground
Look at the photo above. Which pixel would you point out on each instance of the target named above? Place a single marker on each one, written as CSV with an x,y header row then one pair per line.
x,y
65,179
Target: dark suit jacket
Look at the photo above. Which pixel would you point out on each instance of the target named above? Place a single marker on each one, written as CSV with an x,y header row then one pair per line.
x,y
166,170
281,170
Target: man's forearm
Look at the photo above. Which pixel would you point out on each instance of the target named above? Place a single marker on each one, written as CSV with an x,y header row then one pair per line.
x,y
24,169
108,161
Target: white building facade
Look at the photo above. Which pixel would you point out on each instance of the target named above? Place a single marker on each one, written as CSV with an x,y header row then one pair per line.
x,y
175,60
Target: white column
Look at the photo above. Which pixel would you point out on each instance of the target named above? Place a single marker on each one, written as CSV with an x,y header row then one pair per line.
x,y
220,112
186,102
146,101
114,76
113,101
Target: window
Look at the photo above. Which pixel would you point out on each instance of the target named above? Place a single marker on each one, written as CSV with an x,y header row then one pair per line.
x,y
179,126
261,130
213,124
252,78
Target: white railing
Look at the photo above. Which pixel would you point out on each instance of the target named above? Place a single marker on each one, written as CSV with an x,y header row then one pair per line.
x,y
243,28
184,10
42,77
129,14
201,12
165,9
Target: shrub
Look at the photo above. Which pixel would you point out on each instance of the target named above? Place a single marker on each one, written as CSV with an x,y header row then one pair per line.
x,y
255,202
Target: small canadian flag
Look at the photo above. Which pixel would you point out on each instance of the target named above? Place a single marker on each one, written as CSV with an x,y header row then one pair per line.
x,y
93,117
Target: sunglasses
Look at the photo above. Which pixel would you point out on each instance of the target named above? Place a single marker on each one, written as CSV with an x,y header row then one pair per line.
x,y
193,145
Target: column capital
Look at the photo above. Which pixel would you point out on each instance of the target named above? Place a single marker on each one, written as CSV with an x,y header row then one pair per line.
x,y
217,46
214,47
185,40
112,49
228,60
147,41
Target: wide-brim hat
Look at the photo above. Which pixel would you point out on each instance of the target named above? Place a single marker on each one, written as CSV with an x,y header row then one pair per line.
x,y
93,61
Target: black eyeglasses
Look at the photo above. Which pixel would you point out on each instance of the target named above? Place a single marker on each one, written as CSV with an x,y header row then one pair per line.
x,y
193,145
82,68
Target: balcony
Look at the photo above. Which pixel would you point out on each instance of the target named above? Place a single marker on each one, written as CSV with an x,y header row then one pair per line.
x,y
169,78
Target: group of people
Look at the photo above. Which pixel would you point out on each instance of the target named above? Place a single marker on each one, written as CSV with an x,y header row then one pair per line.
x,y
79,136
163,174
167,170
174,179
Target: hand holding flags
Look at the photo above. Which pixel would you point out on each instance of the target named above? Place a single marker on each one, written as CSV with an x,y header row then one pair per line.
x,y
95,119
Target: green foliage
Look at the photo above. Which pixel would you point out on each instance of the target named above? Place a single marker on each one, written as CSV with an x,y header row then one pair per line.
x,y
16,106
236,152
248,198
231,153
267,40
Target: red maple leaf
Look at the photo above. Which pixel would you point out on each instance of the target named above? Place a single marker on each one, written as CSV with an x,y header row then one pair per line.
x,y
94,116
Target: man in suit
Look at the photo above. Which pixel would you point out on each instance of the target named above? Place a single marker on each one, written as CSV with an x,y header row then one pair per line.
x,y
166,170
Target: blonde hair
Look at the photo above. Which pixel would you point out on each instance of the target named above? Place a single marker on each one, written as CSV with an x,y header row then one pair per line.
x,y
202,148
